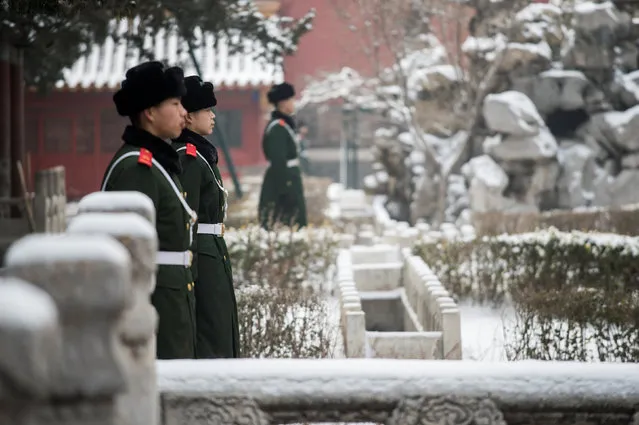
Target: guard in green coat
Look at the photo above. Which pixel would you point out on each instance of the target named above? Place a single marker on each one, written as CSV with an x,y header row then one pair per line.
x,y
217,322
282,196
146,162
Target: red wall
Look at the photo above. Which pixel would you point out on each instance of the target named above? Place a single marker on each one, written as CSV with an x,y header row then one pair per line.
x,y
83,131
331,45
328,47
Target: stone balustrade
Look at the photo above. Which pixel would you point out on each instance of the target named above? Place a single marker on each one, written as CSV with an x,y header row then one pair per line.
x,y
60,362
348,208
136,331
390,309
352,318
105,260
77,344
434,308
397,392
50,200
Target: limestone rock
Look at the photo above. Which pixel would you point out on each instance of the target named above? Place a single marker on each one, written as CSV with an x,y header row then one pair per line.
x,y
526,55
487,183
619,130
590,17
559,89
512,112
539,22
630,161
537,147
619,190
542,182
578,174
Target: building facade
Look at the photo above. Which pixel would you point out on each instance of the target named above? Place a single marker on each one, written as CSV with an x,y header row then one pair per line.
x,y
76,125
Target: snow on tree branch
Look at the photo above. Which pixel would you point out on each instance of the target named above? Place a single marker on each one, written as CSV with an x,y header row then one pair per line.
x,y
54,34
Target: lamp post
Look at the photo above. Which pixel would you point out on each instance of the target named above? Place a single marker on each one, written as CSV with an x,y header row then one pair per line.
x,y
349,162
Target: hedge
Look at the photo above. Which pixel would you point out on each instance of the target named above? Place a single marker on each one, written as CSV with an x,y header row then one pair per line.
x,y
576,295
622,220
280,283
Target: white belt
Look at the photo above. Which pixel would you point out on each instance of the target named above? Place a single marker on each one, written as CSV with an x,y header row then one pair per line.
x,y
293,162
173,258
216,229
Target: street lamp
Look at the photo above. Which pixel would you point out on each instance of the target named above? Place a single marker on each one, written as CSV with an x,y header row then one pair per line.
x,y
349,163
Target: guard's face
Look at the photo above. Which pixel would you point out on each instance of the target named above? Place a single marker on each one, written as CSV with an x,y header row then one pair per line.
x,y
287,106
167,118
202,122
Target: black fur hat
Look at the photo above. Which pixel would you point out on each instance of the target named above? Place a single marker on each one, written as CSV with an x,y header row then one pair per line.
x,y
280,92
199,94
148,84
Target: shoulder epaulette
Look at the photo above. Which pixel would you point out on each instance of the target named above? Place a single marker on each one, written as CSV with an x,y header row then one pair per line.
x,y
191,150
145,158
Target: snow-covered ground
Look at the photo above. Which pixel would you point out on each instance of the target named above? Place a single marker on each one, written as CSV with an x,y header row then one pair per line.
x,y
482,330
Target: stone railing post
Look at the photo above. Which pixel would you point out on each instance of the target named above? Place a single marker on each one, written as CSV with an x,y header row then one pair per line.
x,y
355,332
41,201
60,199
29,347
88,277
118,202
140,404
415,392
451,333
50,201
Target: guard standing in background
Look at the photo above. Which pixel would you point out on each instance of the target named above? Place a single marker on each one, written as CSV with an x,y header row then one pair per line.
x,y
217,322
282,195
146,162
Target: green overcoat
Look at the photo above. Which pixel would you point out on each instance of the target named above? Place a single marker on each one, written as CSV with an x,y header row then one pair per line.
x,y
131,169
282,195
217,321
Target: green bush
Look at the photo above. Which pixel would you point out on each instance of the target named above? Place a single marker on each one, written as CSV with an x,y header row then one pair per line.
x,y
280,279
576,295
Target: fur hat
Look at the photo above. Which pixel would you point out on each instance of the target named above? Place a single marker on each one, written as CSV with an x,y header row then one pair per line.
x,y
280,92
146,85
199,94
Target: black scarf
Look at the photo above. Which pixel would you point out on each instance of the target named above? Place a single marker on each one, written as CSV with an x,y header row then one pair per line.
x,y
161,150
277,115
202,145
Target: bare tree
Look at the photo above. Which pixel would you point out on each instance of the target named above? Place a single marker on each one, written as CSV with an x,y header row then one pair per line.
x,y
394,32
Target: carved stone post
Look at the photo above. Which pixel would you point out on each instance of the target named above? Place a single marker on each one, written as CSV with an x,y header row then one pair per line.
x,y
60,193
451,333
29,348
41,201
88,277
118,202
140,404
355,333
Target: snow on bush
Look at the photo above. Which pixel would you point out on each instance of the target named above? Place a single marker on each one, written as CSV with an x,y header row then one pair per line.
x,y
280,278
576,294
